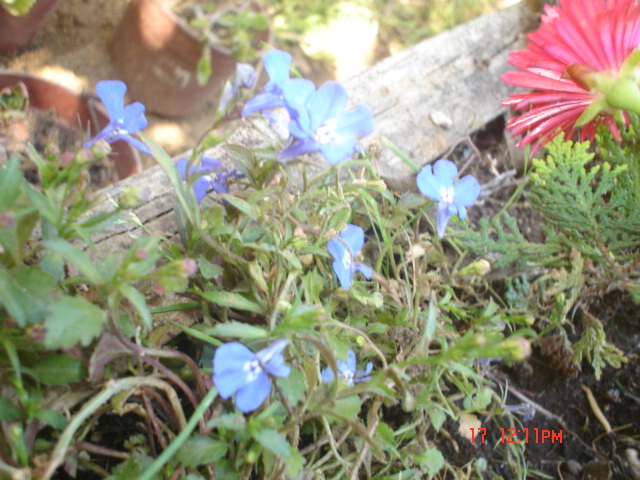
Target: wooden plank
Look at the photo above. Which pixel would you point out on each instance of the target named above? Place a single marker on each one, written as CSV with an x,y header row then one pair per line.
x,y
454,76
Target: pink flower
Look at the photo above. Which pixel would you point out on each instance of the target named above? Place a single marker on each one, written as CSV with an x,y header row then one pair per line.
x,y
580,70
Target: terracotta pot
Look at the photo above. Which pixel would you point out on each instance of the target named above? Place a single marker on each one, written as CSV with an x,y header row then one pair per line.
x,y
156,54
18,32
76,111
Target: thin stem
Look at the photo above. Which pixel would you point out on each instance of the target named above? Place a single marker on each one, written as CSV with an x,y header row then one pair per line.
x,y
181,438
111,388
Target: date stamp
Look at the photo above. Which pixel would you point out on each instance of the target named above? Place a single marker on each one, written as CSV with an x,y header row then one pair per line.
x,y
520,435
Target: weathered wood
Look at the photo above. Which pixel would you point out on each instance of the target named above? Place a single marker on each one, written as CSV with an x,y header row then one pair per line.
x,y
428,97
424,100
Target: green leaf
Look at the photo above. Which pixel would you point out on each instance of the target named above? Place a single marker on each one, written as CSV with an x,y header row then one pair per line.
x,y
237,330
203,69
8,411
49,417
14,238
347,407
77,257
73,320
26,292
137,300
201,450
58,369
293,387
384,435
273,441
431,460
437,417
18,7
10,183
233,300
245,207
229,421
209,270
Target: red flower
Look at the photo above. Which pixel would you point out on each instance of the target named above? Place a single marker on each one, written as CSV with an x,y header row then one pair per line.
x,y
579,67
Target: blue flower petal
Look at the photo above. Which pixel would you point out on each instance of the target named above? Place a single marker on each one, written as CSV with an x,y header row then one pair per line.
x,y
134,119
363,269
428,184
354,236
133,141
229,382
467,190
351,360
253,394
326,374
444,213
345,276
297,148
262,101
200,188
266,355
328,102
104,134
355,123
445,171
210,164
277,64
231,356
181,165
111,92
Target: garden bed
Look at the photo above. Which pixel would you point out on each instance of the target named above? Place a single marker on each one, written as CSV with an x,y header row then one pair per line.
x,y
438,99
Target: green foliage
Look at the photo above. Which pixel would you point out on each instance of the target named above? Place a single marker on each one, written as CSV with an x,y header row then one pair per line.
x,y
591,211
17,7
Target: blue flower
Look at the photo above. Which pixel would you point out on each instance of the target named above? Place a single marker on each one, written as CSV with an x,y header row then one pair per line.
x,y
322,124
453,199
236,369
244,77
344,248
212,175
277,64
347,371
125,121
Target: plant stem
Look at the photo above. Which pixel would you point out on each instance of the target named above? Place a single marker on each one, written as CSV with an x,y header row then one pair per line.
x,y
111,388
181,438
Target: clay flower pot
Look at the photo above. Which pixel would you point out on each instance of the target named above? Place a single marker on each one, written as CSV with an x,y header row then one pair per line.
x,y
156,54
76,111
19,31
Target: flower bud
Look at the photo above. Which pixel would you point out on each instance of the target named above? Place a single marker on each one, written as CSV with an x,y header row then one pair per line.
x,y
189,267
517,348
132,197
479,267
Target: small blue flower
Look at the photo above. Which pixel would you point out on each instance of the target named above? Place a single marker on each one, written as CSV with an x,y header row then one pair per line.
x,y
244,77
347,371
277,64
344,248
236,369
322,124
125,121
214,175
453,199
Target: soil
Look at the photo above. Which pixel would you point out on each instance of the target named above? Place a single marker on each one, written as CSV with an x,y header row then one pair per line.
x,y
72,49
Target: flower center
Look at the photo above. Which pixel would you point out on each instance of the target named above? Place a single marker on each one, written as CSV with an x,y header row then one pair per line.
x,y
327,133
254,368
447,194
348,376
346,260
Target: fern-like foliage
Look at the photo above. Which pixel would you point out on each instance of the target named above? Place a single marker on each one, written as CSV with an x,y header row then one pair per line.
x,y
589,207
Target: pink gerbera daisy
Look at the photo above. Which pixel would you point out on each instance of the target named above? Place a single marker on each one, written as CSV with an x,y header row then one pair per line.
x,y
581,67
